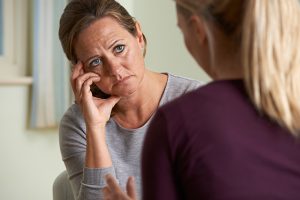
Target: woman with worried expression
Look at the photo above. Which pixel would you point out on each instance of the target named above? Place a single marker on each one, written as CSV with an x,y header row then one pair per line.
x,y
116,96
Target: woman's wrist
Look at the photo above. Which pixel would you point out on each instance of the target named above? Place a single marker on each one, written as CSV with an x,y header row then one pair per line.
x,y
97,154
94,129
95,135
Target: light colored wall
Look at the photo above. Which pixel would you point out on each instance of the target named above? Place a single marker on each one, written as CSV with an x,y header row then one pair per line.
x,y
166,50
30,160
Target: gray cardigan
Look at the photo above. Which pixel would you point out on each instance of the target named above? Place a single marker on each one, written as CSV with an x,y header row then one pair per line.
x,y
124,146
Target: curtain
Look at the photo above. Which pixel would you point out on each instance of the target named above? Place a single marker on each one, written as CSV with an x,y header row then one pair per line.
x,y
51,93
1,28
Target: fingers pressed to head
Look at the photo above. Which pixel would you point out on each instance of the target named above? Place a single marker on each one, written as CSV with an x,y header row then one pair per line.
x,y
77,70
81,80
86,88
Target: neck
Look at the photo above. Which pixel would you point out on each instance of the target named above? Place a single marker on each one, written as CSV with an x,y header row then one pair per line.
x,y
226,63
227,70
135,110
224,56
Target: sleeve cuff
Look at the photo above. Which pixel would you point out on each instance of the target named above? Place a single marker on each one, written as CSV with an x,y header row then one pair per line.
x,y
95,177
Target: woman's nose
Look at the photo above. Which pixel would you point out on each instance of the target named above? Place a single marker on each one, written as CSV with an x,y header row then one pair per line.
x,y
115,69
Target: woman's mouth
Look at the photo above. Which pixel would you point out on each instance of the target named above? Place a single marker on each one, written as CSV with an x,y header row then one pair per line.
x,y
123,80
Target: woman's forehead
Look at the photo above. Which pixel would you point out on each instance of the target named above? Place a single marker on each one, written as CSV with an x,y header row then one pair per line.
x,y
100,36
104,29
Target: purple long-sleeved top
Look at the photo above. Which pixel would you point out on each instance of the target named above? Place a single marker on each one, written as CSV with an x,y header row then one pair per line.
x,y
212,144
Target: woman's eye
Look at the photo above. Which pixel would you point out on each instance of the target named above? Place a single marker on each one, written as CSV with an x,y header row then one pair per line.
x,y
95,62
119,48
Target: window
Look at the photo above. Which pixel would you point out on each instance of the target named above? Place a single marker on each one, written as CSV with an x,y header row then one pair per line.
x,y
14,39
1,28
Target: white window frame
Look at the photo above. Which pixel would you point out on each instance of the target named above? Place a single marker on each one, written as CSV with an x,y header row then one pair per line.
x,y
14,60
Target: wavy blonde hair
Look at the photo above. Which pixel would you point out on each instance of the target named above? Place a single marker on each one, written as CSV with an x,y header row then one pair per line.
x,y
269,41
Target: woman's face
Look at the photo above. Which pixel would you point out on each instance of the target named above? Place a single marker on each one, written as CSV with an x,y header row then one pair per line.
x,y
109,50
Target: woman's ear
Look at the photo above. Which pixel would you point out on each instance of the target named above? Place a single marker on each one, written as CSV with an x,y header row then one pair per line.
x,y
139,35
198,27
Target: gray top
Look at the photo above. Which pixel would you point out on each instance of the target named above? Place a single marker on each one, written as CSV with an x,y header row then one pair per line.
x,y
124,146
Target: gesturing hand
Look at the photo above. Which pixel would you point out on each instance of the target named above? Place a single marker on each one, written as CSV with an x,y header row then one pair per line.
x,y
96,111
113,191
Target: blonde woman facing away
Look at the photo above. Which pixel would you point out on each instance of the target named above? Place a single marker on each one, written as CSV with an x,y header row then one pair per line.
x,y
237,138
103,132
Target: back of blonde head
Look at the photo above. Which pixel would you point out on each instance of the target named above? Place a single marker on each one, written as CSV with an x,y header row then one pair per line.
x,y
269,39
271,56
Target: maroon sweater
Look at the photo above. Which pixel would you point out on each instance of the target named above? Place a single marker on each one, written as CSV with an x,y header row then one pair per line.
x,y
212,144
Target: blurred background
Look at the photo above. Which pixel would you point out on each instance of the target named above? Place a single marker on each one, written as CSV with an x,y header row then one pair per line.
x,y
34,87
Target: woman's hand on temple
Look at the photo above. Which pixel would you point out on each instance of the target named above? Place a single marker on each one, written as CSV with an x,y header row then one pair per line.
x,y
96,111
113,191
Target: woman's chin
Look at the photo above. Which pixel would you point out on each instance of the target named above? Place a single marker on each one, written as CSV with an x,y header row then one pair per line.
x,y
125,92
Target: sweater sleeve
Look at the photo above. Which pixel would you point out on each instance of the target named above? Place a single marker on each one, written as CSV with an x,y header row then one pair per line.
x,y
86,183
157,171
